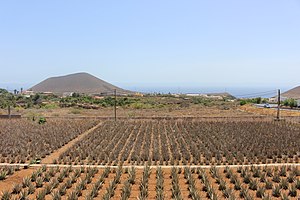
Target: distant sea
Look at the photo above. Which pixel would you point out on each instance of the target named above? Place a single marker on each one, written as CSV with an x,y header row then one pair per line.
x,y
239,92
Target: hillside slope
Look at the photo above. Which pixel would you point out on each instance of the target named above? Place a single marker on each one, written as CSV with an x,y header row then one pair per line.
x,y
79,83
293,93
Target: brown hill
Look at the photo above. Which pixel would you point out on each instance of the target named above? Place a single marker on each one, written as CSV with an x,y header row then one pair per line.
x,y
293,93
79,83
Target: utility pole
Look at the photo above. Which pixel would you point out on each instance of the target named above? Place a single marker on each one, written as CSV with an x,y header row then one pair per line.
x,y
115,105
9,113
278,106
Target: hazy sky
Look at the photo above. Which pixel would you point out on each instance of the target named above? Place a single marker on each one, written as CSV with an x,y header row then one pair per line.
x,y
153,43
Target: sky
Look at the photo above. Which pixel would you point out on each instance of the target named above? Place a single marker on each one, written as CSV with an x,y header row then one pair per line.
x,y
137,43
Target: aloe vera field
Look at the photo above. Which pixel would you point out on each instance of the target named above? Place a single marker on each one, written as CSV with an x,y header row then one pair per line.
x,y
165,158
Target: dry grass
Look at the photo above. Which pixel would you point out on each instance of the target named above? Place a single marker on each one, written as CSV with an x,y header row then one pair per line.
x,y
268,111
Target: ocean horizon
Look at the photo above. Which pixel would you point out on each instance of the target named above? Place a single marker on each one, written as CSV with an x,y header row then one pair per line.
x,y
239,92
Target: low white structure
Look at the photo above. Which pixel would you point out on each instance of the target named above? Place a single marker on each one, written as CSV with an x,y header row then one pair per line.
x,y
68,94
275,99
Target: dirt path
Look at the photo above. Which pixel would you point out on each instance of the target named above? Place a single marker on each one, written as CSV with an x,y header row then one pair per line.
x,y
16,178
55,155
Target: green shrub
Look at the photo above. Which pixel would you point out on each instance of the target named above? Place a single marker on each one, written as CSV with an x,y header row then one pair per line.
x,y
50,106
42,120
243,102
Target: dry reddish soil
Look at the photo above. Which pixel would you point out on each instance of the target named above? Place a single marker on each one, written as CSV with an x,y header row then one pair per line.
x,y
16,178
167,191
